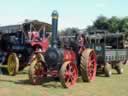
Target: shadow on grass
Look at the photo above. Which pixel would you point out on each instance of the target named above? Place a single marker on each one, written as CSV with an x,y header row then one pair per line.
x,y
48,82
1,80
115,74
101,74
23,82
51,82
22,72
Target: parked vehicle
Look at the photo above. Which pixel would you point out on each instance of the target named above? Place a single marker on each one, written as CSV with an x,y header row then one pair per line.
x,y
17,48
110,51
64,62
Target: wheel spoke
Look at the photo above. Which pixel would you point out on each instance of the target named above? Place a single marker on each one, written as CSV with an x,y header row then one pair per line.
x,y
11,65
74,72
70,67
92,61
66,74
67,80
39,70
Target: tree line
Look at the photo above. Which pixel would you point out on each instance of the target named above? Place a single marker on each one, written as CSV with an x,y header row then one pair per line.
x,y
112,25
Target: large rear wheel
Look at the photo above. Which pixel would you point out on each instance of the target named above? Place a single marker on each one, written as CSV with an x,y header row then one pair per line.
x,y
37,69
88,65
68,74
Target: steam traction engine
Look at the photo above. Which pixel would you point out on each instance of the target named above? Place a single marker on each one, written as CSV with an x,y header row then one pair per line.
x,y
64,62
17,48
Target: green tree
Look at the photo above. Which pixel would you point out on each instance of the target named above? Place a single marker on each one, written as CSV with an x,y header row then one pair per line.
x,y
114,24
70,31
90,29
101,23
124,25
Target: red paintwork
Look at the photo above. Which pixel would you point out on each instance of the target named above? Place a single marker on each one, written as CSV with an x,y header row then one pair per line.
x,y
91,66
71,72
43,44
33,35
69,55
70,75
36,41
53,73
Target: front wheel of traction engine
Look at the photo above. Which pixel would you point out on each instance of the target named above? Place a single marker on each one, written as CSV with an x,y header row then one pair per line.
x,y
107,70
12,65
119,68
68,74
88,65
37,69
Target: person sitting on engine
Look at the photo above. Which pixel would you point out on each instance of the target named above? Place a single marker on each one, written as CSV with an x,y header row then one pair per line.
x,y
81,42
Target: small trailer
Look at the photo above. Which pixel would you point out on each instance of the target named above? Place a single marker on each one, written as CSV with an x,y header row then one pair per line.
x,y
110,51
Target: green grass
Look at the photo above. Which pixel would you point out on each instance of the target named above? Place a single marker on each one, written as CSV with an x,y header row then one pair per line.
x,y
117,85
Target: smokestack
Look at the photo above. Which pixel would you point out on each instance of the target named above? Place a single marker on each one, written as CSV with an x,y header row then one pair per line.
x,y
54,28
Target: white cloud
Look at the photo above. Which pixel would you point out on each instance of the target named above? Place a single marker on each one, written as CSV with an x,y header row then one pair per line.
x,y
102,3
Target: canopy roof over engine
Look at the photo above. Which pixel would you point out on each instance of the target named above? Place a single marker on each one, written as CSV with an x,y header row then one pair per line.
x,y
103,36
14,28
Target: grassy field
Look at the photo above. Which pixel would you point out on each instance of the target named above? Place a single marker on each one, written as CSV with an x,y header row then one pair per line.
x,y
117,85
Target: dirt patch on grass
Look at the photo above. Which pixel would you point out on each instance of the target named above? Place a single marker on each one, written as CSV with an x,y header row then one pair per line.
x,y
5,91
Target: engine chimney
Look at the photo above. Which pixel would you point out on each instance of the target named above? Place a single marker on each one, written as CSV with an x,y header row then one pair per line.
x,y
54,28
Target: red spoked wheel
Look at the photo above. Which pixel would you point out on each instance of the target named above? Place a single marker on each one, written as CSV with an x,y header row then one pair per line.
x,y
88,65
68,74
37,69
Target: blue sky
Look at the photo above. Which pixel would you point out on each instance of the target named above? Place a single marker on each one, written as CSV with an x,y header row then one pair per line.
x,y
72,13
